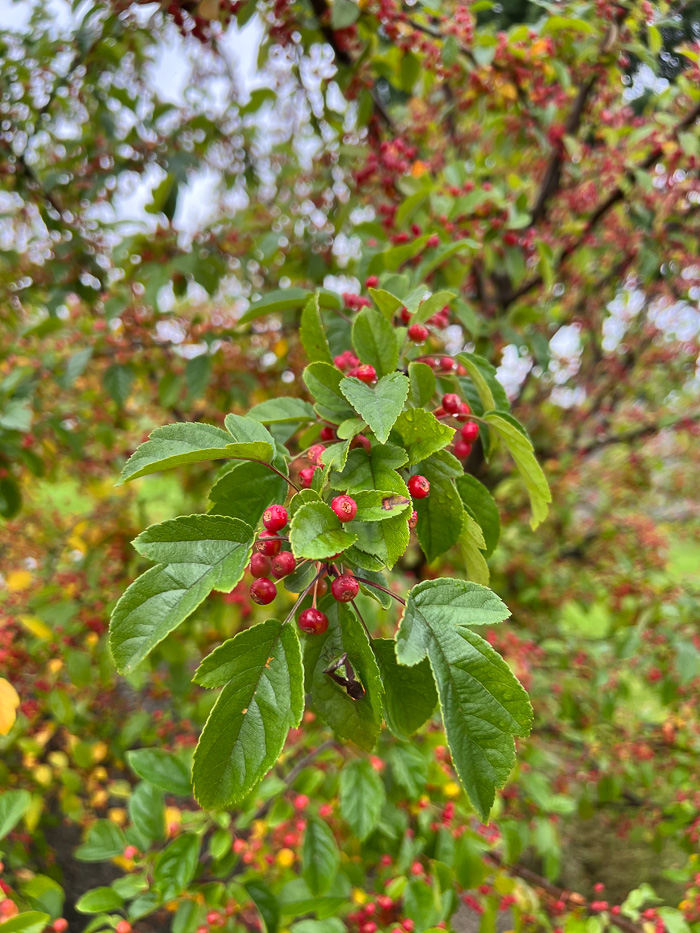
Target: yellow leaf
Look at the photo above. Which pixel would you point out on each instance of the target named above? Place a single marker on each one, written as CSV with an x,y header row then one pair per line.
x,y
35,626
18,580
9,701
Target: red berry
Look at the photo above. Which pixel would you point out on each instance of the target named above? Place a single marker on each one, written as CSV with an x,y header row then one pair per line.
x,y
313,621
470,431
275,517
60,925
268,543
447,363
405,315
462,449
418,486
283,564
130,852
464,412
360,441
306,477
371,281
344,507
346,361
321,587
345,588
260,565
327,433
123,927
263,591
365,373
315,453
213,917
418,333
413,520
451,403
408,924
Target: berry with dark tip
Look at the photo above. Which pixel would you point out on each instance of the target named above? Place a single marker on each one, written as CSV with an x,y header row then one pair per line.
x,y
260,565
344,588
275,517
344,507
470,431
418,486
313,621
315,453
283,564
263,591
413,520
268,543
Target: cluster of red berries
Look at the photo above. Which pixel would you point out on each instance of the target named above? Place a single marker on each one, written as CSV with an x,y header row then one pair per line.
x,y
452,405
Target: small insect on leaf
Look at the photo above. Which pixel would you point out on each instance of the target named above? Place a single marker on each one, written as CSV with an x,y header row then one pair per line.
x,y
394,502
349,682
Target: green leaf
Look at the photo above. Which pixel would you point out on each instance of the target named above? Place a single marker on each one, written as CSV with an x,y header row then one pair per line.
x,y
374,340
409,692
521,450
423,384
440,513
344,13
45,894
320,856
104,840
247,728
176,865
245,490
323,382
483,375
483,705
317,533
284,299
196,554
336,455
266,902
147,813
356,720
197,377
362,797
188,442
409,765
13,805
387,540
161,768
31,921
379,406
10,497
118,380
387,303
373,469
422,434
312,335
429,307
246,430
480,504
442,254
16,415
98,900
282,410
471,544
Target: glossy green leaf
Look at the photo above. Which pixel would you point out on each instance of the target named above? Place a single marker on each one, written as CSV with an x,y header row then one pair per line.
x,y
161,768
378,406
29,921
410,696
422,434
245,491
481,506
247,728
521,450
323,382
387,539
285,409
196,554
312,334
373,469
362,796
374,340
266,902
483,706
423,384
471,545
359,720
188,442
440,513
320,855
317,533
104,840
176,864
99,900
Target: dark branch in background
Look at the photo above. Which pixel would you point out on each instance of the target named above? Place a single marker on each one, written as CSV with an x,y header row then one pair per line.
x,y
552,176
616,195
